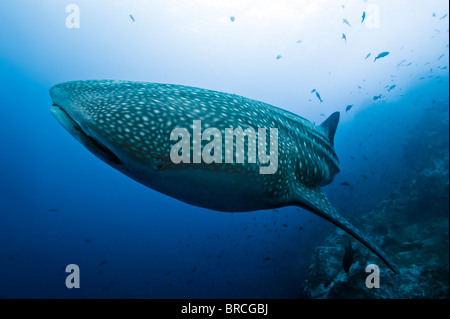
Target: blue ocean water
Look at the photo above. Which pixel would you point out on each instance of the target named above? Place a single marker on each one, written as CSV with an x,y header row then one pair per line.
x,y
60,205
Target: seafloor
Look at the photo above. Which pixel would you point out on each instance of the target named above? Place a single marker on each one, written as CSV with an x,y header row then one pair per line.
x,y
411,225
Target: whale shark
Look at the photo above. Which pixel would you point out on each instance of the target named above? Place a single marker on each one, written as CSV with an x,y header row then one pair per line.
x,y
128,125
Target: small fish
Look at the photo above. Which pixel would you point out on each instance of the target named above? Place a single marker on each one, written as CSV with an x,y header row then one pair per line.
x,y
441,56
299,41
381,55
132,18
345,184
364,176
391,87
232,18
363,16
344,37
401,62
346,22
102,263
300,228
321,114
52,210
348,257
279,56
318,96
284,225
313,90
267,258
443,17
367,56
348,107
376,97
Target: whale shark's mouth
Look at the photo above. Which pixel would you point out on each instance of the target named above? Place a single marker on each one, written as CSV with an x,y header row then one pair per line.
x,y
92,144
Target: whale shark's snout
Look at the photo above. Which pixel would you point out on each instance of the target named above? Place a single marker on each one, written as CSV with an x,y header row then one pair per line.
x,y
66,109
59,94
77,120
78,100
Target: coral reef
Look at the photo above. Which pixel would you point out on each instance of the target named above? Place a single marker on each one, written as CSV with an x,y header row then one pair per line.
x,y
411,226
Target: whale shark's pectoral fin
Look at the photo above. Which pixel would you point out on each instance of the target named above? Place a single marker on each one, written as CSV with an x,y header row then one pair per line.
x,y
314,199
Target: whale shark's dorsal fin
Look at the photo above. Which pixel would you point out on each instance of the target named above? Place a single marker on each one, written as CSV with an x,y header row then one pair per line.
x,y
329,126
314,199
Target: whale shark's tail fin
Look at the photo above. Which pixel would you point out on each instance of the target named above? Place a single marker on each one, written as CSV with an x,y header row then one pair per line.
x,y
329,126
313,199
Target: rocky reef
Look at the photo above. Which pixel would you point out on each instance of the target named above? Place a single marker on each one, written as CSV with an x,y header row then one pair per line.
x,y
411,226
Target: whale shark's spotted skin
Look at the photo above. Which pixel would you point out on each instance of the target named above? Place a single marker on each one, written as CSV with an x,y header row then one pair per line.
x,y
128,125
